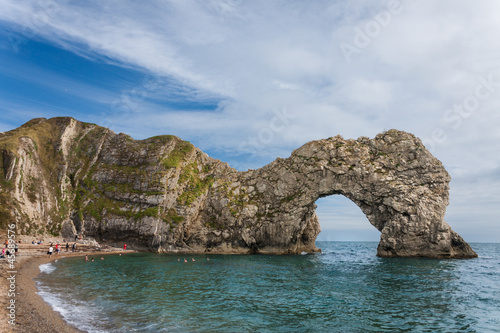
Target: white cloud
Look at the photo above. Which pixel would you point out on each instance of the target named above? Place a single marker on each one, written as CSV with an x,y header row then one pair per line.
x,y
259,56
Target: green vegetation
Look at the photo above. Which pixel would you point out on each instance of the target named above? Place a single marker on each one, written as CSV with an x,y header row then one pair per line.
x,y
150,211
163,139
36,134
90,197
195,185
102,206
172,218
233,211
178,154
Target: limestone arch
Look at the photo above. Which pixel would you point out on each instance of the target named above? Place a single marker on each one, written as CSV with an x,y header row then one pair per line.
x,y
399,186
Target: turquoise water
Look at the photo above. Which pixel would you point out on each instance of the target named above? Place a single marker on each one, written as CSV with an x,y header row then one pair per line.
x,y
345,289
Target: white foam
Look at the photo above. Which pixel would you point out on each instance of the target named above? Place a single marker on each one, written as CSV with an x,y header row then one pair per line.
x,y
47,268
74,312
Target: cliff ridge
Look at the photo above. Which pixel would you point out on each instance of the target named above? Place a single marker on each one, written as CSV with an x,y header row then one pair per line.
x,y
163,194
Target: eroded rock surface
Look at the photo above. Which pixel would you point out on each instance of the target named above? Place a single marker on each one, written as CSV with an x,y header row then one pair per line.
x,y
163,194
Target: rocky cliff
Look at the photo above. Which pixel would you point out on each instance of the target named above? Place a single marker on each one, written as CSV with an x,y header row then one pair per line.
x,y
163,194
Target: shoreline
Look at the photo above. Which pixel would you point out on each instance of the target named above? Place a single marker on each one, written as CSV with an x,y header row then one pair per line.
x,y
32,313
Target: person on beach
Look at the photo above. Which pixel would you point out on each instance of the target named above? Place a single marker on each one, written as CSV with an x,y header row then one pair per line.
x,y
67,247
58,248
49,253
124,247
73,248
16,248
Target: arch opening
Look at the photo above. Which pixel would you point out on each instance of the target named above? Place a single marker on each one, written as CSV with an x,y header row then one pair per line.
x,y
342,220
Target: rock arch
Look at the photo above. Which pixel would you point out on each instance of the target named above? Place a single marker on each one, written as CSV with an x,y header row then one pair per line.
x,y
400,187
163,194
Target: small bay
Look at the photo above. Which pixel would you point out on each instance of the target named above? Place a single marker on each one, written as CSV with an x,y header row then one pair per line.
x,y
344,289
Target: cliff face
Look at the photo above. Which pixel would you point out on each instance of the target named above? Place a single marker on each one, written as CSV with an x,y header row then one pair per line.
x,y
163,194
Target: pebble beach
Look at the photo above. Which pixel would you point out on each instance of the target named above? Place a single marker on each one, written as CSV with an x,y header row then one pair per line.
x,y
30,312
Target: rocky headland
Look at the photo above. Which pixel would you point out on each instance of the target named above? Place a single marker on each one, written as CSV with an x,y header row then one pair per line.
x,y
66,177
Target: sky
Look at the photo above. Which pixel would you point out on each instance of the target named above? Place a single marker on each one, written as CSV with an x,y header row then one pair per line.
x,y
250,81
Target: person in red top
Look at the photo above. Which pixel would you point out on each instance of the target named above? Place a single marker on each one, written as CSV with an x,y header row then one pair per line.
x,y
124,246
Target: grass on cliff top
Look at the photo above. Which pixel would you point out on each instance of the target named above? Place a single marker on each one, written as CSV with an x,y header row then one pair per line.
x,y
178,154
41,133
161,139
45,134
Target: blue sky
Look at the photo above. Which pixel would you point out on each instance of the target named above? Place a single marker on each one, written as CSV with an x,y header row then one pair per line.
x,y
249,81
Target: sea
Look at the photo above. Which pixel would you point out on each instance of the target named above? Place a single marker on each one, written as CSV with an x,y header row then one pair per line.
x,y
346,288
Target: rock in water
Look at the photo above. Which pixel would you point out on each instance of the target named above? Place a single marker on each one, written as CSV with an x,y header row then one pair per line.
x,y
163,194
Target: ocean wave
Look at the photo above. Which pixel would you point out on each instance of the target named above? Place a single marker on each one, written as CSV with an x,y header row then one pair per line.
x,y
47,268
76,313
54,300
